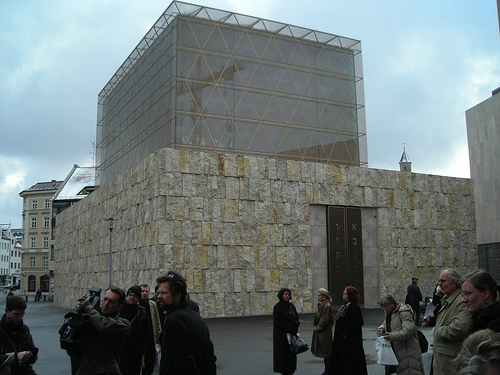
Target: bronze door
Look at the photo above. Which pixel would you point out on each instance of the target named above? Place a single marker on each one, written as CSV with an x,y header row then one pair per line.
x,y
345,251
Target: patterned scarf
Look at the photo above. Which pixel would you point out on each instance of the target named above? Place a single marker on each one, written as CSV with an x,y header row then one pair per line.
x,y
342,310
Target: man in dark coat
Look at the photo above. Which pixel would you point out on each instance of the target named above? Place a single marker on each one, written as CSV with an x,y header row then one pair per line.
x,y
413,298
17,349
141,335
185,343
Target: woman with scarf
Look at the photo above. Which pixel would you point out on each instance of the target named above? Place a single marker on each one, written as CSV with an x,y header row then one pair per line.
x,y
348,356
285,320
322,334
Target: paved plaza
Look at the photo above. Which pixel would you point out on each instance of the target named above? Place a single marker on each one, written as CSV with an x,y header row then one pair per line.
x,y
242,345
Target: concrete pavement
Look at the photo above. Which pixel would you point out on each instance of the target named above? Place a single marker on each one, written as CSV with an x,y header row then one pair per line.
x,y
242,345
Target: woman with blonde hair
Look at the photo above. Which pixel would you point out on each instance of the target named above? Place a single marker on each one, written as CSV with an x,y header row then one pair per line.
x,y
322,334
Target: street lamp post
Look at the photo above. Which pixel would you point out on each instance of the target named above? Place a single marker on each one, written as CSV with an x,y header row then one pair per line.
x,y
110,227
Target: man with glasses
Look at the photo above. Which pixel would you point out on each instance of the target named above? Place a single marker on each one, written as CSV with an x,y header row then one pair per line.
x,y
452,323
185,343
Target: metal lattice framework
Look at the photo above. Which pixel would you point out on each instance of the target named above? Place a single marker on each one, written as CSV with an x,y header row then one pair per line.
x,y
210,80
230,18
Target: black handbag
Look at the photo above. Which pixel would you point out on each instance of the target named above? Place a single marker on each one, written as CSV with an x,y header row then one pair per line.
x,y
297,345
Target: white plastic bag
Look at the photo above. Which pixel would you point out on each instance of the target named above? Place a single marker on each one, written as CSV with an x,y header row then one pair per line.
x,y
385,353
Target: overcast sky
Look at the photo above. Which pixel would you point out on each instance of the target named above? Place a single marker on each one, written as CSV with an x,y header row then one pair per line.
x,y
424,64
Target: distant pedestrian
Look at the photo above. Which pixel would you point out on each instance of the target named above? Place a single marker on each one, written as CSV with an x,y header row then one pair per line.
x,y
285,320
400,330
38,295
322,335
413,298
348,355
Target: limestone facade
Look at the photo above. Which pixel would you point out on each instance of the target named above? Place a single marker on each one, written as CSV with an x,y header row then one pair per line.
x,y
239,228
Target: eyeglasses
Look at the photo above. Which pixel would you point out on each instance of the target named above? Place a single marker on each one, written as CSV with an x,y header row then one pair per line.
x,y
442,281
467,294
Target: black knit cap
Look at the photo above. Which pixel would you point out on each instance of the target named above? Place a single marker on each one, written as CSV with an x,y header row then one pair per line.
x,y
136,289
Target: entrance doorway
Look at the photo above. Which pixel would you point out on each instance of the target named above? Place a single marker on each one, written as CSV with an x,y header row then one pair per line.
x,y
345,251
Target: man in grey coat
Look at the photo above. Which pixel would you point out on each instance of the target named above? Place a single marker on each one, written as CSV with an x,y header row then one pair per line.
x,y
452,323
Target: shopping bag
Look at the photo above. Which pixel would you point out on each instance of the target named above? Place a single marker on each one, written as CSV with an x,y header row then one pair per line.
x,y
385,353
297,345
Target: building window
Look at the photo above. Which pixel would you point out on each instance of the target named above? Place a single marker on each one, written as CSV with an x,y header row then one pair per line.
x,y
34,204
33,222
52,252
45,261
46,221
31,283
33,241
47,203
44,283
32,261
45,241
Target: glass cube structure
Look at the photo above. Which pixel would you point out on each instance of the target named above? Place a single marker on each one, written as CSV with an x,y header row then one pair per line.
x,y
211,80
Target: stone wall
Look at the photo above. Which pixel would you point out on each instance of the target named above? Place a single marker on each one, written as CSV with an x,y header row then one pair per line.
x,y
240,228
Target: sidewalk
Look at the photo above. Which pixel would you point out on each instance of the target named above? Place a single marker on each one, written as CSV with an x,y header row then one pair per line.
x,y
242,345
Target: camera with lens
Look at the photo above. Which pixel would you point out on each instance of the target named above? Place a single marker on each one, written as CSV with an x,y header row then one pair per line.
x,y
76,324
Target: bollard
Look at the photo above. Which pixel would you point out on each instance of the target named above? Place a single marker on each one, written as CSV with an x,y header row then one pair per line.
x,y
44,298
26,298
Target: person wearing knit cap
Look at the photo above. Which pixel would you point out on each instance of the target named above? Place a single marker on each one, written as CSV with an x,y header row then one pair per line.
x,y
131,358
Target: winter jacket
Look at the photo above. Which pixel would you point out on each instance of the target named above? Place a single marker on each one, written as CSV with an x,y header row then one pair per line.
x,y
487,318
14,339
452,325
404,339
101,352
322,335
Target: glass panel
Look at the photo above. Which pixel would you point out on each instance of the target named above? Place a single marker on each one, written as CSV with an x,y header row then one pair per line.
x,y
273,112
286,47
245,132
261,142
298,57
259,79
275,134
259,42
300,79
272,52
244,47
215,41
185,63
286,84
274,74
185,32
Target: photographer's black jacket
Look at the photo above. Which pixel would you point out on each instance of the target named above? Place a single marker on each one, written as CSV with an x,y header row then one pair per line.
x,y
15,339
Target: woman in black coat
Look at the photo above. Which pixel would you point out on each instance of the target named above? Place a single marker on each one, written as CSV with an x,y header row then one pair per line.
x,y
348,355
285,320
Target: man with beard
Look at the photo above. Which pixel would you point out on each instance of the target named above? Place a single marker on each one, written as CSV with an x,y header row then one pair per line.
x,y
17,349
185,344
136,345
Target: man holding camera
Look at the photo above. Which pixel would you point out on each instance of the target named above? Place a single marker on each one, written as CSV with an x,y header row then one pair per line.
x,y
17,349
101,351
